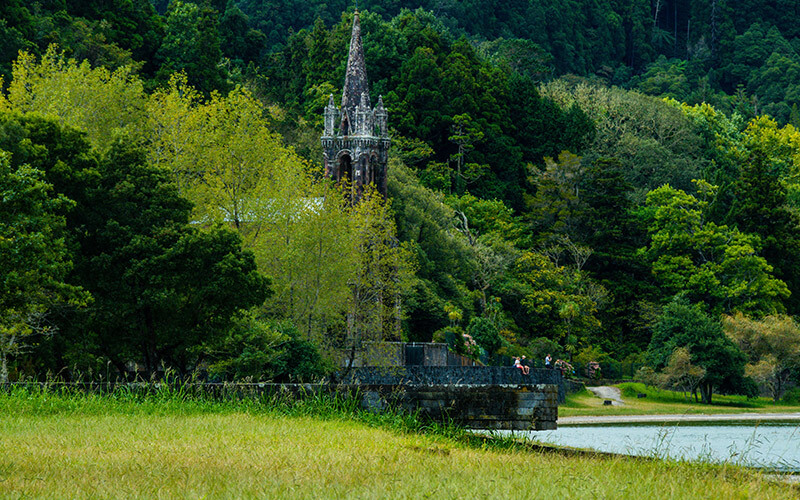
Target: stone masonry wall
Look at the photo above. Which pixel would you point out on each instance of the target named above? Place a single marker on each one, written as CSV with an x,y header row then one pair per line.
x,y
456,375
508,407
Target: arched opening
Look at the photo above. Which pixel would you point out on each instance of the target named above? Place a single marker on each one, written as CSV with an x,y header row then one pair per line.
x,y
345,168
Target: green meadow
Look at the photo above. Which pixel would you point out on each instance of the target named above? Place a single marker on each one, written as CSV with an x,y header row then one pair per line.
x,y
166,444
665,402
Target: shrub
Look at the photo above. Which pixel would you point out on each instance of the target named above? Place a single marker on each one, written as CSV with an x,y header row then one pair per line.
x,y
485,333
259,349
792,396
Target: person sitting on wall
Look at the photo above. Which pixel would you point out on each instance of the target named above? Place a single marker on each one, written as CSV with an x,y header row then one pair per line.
x,y
548,362
518,364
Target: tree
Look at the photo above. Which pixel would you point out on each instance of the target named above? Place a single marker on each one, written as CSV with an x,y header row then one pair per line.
x,y
560,298
608,226
192,45
441,253
557,207
227,159
465,135
237,39
163,289
484,331
489,228
664,78
760,206
711,263
542,127
98,101
652,139
522,56
687,325
381,274
772,345
34,258
681,373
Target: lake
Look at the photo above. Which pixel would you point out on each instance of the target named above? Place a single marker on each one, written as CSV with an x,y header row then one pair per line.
x,y
772,445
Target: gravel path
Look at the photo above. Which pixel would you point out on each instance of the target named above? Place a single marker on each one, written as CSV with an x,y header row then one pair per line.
x,y
606,392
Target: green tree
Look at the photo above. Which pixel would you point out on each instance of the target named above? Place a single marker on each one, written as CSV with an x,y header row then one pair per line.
x,y
162,288
192,44
227,159
484,331
609,228
382,271
521,55
556,209
712,263
557,294
443,259
686,325
541,127
465,134
265,350
237,40
772,345
680,373
652,139
98,101
760,206
664,78
34,259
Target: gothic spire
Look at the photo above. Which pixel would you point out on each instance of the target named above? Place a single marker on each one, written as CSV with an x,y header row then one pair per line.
x,y
355,78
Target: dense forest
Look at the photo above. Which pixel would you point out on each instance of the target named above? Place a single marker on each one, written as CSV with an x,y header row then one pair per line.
x,y
600,180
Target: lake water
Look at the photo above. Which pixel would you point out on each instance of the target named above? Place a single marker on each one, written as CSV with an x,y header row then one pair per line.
x,y
772,445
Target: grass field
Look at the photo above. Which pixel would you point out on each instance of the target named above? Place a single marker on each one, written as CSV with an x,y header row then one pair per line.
x,y
665,402
173,446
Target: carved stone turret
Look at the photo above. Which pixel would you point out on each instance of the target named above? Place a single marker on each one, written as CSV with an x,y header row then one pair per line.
x,y
381,118
358,149
331,113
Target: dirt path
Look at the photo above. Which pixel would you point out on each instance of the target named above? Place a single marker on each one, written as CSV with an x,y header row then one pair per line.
x,y
606,392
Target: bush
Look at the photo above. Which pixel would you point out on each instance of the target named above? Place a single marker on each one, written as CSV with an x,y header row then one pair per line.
x,y
541,347
266,350
648,376
593,354
485,333
458,341
792,396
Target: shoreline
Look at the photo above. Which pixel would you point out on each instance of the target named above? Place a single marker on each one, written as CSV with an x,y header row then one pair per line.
x,y
678,418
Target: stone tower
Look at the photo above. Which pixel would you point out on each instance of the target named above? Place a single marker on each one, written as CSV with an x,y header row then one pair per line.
x,y
356,138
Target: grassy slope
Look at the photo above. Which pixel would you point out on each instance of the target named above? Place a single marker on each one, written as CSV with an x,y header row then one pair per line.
x,y
79,447
665,402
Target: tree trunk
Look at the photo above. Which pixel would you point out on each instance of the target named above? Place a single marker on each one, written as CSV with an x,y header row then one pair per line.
x,y
705,392
3,368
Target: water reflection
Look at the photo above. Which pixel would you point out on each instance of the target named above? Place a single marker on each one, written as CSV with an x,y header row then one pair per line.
x,y
773,445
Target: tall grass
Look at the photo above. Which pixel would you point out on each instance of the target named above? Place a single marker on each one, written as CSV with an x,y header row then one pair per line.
x,y
186,398
59,442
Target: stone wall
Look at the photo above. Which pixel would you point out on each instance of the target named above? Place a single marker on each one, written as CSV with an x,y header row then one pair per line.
x,y
528,407
456,375
524,406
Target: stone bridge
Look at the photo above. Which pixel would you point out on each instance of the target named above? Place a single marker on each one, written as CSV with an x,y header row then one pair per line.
x,y
479,397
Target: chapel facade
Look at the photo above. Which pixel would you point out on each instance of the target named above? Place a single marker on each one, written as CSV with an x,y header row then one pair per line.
x,y
355,140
